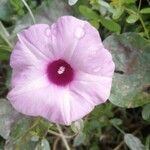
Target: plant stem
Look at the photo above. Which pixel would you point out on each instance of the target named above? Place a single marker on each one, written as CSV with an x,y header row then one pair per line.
x,y
33,125
4,34
141,20
139,7
56,143
54,133
119,129
7,41
30,12
148,2
63,137
57,134
122,142
144,27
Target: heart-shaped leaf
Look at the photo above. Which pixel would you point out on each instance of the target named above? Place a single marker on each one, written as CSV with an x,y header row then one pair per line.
x,y
7,117
131,81
133,142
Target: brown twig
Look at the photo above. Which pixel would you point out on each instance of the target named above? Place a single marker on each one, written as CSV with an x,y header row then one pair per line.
x,y
56,143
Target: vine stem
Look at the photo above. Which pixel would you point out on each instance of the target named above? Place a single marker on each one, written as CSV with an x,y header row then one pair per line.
x,y
7,41
139,7
57,134
119,129
118,147
4,34
144,27
30,12
63,137
148,1
141,20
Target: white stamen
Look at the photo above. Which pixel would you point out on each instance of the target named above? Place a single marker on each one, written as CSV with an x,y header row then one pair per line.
x,y
61,70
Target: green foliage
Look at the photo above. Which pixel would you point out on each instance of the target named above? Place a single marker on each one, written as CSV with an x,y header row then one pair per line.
x,y
133,142
145,10
4,55
132,18
88,13
110,24
29,133
95,19
77,126
49,15
92,16
114,13
146,112
131,56
79,139
7,117
147,143
5,44
72,2
116,121
5,10
18,6
43,145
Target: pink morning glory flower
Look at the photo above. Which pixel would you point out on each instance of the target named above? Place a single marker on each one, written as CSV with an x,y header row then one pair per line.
x,y
60,72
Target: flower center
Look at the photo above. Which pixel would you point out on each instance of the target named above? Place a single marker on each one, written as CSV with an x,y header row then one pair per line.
x,y
60,72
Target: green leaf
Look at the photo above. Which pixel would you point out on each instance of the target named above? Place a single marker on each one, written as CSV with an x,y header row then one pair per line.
x,y
133,142
79,139
42,127
92,126
118,12
77,126
21,136
147,143
88,12
18,6
72,2
4,35
5,10
3,30
110,24
131,81
45,144
7,117
146,112
5,48
102,110
132,18
145,10
35,138
4,55
116,121
44,14
128,1
95,23
105,5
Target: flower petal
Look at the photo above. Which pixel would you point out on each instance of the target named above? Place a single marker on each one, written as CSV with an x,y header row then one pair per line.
x,y
79,43
32,47
95,89
38,98
63,36
91,56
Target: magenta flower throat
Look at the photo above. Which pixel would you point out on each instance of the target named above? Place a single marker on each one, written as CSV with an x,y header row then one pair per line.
x,y
60,72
